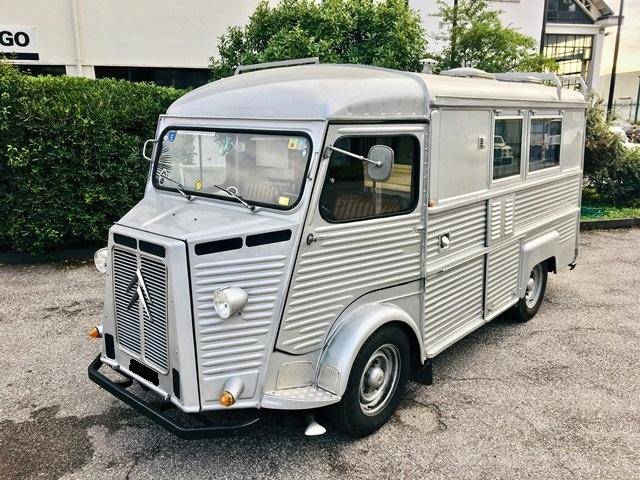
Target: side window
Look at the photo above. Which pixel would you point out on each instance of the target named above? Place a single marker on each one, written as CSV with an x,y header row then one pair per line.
x,y
349,194
507,147
544,143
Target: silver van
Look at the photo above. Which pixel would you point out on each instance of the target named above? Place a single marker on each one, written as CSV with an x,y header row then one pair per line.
x,y
312,236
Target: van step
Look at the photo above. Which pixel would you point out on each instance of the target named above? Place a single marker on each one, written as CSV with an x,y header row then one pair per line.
x,y
299,398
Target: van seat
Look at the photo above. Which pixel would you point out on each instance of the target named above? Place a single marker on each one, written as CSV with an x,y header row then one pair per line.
x,y
261,192
361,206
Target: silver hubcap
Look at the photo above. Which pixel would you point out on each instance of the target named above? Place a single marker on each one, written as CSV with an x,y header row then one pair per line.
x,y
379,379
534,287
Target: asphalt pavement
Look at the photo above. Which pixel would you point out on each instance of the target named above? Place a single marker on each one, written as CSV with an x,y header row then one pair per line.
x,y
557,397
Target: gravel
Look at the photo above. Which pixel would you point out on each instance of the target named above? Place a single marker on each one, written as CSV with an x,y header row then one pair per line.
x,y
557,397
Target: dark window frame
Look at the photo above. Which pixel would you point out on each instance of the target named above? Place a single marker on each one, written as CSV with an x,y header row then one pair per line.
x,y
523,148
559,164
415,179
158,150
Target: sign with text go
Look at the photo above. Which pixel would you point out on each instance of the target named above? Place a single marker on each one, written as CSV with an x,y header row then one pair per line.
x,y
19,42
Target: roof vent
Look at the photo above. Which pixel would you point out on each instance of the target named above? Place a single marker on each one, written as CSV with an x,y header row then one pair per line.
x,y
467,72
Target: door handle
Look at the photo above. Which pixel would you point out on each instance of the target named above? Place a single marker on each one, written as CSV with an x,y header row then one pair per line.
x,y
312,238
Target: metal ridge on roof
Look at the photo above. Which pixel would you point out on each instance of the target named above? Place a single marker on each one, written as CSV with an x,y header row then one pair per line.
x,y
334,91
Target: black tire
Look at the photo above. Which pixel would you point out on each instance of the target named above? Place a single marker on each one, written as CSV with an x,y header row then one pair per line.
x,y
526,308
349,415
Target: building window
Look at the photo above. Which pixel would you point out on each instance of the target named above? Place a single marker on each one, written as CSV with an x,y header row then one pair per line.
x,y
166,77
544,143
349,194
567,11
507,147
55,70
572,53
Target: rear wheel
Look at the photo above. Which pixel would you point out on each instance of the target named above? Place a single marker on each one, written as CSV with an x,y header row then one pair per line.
x,y
377,380
528,306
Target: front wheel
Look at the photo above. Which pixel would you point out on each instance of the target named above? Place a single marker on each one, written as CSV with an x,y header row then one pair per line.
x,y
377,380
527,307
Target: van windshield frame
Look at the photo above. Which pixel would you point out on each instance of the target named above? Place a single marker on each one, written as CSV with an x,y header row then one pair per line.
x,y
219,194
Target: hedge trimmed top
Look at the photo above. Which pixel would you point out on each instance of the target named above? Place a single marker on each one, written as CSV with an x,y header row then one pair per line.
x,y
70,162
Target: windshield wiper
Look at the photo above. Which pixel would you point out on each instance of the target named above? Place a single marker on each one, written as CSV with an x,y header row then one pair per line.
x,y
179,186
233,193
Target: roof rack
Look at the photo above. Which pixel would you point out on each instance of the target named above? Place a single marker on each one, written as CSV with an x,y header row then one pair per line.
x,y
281,63
532,77
578,79
467,72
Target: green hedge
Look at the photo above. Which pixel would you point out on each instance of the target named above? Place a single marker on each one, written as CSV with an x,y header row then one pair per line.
x,y
70,162
611,170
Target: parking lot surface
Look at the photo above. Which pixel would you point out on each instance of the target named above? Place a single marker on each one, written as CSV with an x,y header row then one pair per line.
x,y
557,397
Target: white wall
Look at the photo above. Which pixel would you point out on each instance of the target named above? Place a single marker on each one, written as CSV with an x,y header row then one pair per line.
x,y
525,15
155,33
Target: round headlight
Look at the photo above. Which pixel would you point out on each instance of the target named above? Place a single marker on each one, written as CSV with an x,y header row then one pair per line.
x,y
101,260
229,300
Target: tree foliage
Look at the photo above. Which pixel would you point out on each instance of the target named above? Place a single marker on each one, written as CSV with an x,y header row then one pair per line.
x,y
610,168
475,37
384,33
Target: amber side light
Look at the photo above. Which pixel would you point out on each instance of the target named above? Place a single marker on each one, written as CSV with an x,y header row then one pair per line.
x,y
94,333
226,399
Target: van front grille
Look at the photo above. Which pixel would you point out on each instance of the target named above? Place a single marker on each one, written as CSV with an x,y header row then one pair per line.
x,y
143,333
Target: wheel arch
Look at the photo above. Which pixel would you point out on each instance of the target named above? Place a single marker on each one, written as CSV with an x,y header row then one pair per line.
x,y
349,335
542,249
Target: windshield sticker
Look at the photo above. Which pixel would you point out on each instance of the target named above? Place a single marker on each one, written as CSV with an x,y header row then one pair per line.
x,y
296,143
198,185
164,173
284,201
171,136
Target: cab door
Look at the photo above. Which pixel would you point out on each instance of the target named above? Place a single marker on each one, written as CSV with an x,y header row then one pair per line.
x,y
360,235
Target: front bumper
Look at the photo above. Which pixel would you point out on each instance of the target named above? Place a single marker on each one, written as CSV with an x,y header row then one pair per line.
x,y
190,426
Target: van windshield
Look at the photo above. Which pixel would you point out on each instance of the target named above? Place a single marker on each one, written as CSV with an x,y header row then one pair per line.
x,y
261,168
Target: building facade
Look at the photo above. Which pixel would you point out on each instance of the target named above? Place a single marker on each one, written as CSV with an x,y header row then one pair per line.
x,y
569,31
171,42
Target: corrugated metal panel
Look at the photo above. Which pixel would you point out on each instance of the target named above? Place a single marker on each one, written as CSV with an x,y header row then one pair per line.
x,y
466,227
500,221
509,209
143,335
567,228
495,220
536,203
236,344
128,333
349,259
453,299
154,273
502,276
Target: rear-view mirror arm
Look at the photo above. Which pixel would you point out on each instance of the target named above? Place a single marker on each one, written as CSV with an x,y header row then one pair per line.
x,y
352,155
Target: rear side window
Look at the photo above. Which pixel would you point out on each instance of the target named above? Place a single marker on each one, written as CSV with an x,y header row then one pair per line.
x,y
544,143
349,194
507,147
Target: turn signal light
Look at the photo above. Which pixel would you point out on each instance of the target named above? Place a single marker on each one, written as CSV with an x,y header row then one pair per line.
x,y
227,399
95,333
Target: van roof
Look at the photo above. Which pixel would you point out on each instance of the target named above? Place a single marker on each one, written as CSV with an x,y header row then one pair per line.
x,y
342,92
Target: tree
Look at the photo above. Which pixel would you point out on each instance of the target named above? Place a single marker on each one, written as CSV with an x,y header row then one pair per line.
x,y
475,37
384,33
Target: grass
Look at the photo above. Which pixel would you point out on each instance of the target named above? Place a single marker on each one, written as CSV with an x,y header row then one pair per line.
x,y
594,209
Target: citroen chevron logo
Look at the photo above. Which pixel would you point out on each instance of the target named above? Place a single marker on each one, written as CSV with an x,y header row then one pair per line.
x,y
140,293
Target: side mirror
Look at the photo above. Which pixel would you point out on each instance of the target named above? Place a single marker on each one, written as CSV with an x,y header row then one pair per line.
x,y
145,148
381,162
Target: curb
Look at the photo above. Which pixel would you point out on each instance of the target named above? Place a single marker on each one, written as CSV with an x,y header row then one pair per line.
x,y
609,224
71,254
